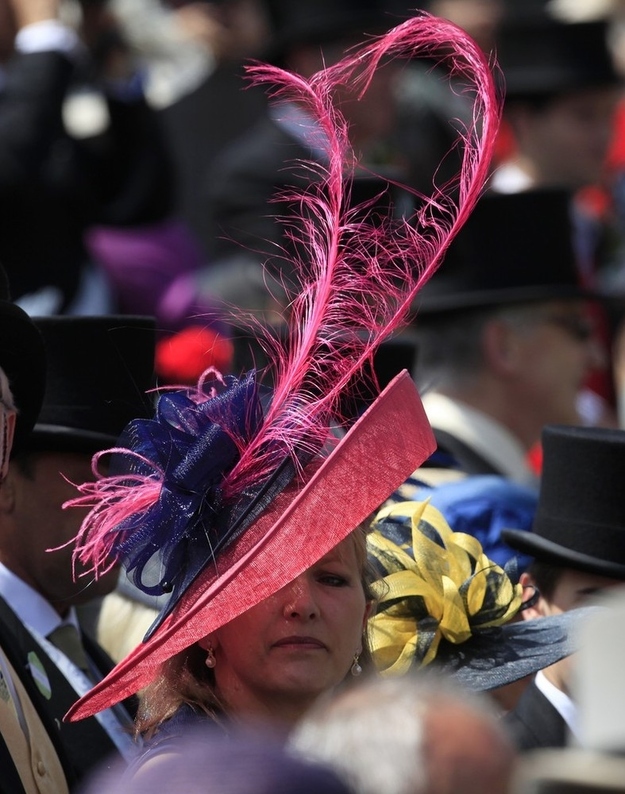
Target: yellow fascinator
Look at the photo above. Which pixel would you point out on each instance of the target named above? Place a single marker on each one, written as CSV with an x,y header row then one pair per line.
x,y
440,598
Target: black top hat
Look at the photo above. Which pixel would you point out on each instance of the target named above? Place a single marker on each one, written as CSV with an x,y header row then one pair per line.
x,y
99,369
540,56
513,248
23,361
324,21
580,519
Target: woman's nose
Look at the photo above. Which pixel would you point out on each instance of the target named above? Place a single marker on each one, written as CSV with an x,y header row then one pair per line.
x,y
299,600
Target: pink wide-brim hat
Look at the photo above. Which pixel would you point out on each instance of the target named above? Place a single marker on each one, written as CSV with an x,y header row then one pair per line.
x,y
391,439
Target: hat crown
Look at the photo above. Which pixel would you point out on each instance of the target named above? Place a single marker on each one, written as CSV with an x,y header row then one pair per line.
x,y
540,55
99,370
22,359
514,247
580,519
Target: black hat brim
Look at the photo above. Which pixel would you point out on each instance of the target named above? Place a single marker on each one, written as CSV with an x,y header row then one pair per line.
x,y
500,656
483,299
68,439
545,550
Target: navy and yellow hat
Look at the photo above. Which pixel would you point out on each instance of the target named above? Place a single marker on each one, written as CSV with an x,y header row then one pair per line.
x,y
440,601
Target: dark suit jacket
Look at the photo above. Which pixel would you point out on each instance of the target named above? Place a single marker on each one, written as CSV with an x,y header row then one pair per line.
x,y
81,745
242,184
452,453
53,187
535,723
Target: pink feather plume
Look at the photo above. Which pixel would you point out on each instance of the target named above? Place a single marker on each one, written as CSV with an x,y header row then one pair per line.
x,y
360,277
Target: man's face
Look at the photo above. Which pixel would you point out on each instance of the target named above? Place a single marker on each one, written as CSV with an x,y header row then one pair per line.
x,y
567,141
553,358
40,527
575,589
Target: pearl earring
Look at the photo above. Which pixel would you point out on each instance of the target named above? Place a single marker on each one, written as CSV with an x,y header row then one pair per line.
x,y
210,660
356,668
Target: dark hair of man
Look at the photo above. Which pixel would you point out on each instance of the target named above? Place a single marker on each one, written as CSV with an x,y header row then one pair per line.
x,y
546,576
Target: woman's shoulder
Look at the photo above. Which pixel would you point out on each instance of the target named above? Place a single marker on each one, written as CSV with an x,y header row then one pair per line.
x,y
170,736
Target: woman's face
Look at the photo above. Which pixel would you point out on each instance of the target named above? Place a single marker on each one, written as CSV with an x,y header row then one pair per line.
x,y
280,655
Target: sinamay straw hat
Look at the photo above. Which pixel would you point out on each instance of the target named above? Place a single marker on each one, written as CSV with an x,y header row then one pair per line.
x,y
229,493
441,601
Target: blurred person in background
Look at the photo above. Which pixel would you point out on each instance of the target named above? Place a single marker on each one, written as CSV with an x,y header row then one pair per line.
x,y
415,735
242,763
578,554
562,91
504,338
31,759
64,168
98,369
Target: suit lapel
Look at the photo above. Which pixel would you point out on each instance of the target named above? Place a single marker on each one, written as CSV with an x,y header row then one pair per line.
x,y
82,745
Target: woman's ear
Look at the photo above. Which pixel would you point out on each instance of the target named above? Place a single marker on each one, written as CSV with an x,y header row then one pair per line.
x,y
367,614
208,643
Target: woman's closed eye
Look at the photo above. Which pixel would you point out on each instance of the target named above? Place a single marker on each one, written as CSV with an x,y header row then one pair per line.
x,y
333,579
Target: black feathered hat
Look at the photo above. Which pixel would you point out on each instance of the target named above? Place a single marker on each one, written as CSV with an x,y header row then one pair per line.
x,y
580,519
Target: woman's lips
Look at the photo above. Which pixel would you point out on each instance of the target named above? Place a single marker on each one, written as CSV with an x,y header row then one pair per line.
x,y
299,642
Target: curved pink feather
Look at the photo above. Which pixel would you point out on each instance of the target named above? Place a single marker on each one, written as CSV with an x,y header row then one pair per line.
x,y
354,296
360,276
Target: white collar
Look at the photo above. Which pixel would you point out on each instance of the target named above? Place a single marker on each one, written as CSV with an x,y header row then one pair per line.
x,y
483,434
29,605
510,178
301,126
561,702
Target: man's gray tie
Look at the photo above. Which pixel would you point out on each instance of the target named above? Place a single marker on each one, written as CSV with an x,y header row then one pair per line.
x,y
66,638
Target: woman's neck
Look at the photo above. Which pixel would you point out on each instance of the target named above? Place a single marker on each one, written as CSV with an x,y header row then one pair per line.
x,y
279,713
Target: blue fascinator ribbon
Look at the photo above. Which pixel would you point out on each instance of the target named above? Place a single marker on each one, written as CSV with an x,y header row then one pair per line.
x,y
193,445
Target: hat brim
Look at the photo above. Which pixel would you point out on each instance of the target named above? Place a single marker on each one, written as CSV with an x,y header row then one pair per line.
x,y
343,25
503,655
545,550
483,299
68,439
349,485
22,357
